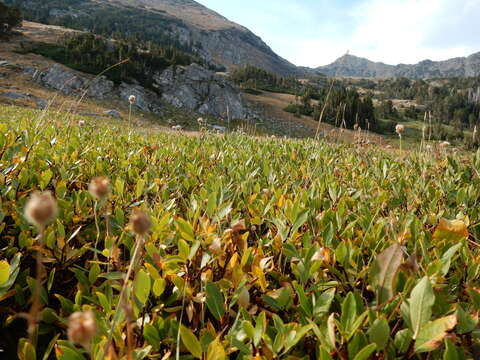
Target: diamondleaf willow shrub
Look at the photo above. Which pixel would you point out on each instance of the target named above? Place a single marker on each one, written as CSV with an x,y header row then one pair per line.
x,y
259,248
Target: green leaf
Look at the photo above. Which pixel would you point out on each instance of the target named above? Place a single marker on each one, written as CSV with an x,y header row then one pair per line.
x,y
45,178
185,229
216,351
379,333
452,231
26,351
50,346
249,329
66,353
432,334
14,270
324,354
349,313
142,286
139,188
323,303
299,221
421,302
4,272
260,327
384,270
402,340
466,322
215,300
191,342
451,352
103,301
365,353
305,304
447,257
159,286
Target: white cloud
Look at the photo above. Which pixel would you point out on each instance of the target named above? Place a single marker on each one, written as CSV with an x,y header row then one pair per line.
x,y
399,31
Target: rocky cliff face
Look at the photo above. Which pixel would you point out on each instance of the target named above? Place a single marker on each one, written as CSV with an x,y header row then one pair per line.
x,y
192,88
350,65
203,91
210,35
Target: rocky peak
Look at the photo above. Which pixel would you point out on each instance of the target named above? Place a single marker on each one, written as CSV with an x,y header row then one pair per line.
x,y
349,65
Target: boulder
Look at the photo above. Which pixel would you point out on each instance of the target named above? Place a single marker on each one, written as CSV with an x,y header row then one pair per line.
x,y
70,82
15,96
196,88
113,113
42,104
145,100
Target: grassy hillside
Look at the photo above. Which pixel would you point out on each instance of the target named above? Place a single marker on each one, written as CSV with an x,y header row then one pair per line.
x,y
259,248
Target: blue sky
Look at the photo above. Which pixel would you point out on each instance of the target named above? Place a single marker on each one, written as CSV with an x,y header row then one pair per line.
x,y
316,32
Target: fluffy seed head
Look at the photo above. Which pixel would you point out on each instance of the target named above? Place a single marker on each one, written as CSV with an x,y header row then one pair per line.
x,y
140,222
399,129
99,187
132,99
82,327
81,123
41,209
216,246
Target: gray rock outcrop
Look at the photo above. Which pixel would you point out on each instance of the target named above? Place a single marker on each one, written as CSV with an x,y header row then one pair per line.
x,y
69,82
201,90
113,113
145,100
192,87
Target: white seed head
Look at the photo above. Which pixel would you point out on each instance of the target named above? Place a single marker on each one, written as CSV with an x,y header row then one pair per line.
x,y
99,187
81,123
399,129
132,99
82,327
41,209
216,246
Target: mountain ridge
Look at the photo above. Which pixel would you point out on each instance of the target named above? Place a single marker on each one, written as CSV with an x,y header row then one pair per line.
x,y
213,36
354,66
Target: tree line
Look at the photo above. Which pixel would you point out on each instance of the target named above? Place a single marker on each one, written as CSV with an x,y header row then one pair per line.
x,y
125,59
338,105
10,18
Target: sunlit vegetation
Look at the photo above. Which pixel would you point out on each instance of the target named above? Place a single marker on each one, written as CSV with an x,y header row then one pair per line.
x,y
235,247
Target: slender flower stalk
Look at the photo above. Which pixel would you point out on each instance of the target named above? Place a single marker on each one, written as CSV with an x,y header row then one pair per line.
x,y
40,210
99,188
400,129
131,100
140,224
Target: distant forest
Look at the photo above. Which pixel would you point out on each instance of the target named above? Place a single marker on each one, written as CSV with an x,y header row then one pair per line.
x,y
344,106
452,102
126,59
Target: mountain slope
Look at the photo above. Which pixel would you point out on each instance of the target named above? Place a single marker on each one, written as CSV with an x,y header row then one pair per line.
x,y
349,65
184,22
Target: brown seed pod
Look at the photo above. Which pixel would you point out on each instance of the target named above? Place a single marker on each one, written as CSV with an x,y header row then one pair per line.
x,y
41,209
140,222
99,187
82,327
